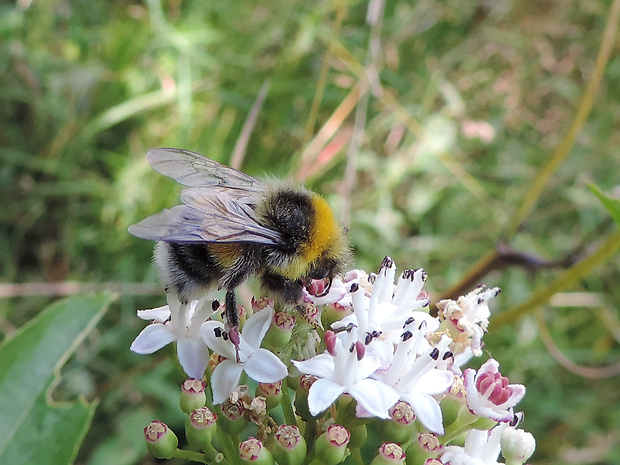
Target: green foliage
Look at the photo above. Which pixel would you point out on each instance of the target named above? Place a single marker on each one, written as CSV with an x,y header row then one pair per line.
x,y
485,124
33,428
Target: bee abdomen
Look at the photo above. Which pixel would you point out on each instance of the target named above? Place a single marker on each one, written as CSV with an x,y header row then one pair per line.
x,y
186,269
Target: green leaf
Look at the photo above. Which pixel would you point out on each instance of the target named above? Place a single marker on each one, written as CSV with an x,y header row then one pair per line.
x,y
49,433
612,205
32,429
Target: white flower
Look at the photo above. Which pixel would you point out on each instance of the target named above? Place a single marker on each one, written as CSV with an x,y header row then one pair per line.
x,y
177,322
415,376
481,448
382,316
259,364
488,393
468,317
347,371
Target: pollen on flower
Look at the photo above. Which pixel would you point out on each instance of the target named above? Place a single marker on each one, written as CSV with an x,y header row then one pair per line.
x,y
429,442
155,430
288,436
249,449
202,417
392,451
402,413
193,385
338,435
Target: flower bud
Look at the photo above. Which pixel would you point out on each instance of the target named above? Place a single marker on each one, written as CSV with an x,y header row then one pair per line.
x,y
232,418
200,427
402,426
301,399
161,441
253,452
389,454
280,331
192,395
272,392
517,445
331,446
289,447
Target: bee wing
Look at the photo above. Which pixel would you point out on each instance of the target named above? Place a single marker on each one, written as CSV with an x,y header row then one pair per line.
x,y
209,215
194,170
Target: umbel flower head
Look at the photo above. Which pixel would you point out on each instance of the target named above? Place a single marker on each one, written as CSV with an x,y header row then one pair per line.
x,y
385,351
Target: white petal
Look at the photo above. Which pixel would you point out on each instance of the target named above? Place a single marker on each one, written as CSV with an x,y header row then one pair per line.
x,y
321,365
217,344
323,393
152,338
434,382
160,314
375,396
224,380
427,410
265,367
193,357
257,325
366,366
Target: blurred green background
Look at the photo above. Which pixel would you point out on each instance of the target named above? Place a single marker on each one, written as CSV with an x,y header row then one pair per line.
x,y
446,134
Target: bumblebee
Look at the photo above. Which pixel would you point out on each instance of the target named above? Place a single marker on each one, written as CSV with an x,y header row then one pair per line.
x,y
231,226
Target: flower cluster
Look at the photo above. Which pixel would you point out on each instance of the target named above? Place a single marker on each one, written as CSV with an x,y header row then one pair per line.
x,y
367,358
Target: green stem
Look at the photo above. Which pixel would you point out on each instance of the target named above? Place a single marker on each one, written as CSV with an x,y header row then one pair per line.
x,y
567,279
287,405
229,448
356,454
193,456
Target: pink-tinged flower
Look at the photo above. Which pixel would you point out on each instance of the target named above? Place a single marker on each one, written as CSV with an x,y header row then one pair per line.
x,y
181,323
259,364
347,371
488,393
481,448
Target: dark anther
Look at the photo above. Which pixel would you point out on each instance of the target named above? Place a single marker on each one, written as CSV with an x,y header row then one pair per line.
x,y
447,355
215,305
408,321
218,332
368,338
435,353
354,288
406,336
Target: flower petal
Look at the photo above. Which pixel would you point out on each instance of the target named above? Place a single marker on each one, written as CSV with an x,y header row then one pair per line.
x,y
323,393
254,329
152,338
434,382
217,344
160,314
265,367
224,380
321,365
376,397
193,356
427,410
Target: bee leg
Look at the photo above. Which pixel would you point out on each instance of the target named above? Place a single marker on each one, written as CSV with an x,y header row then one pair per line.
x,y
232,318
290,291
